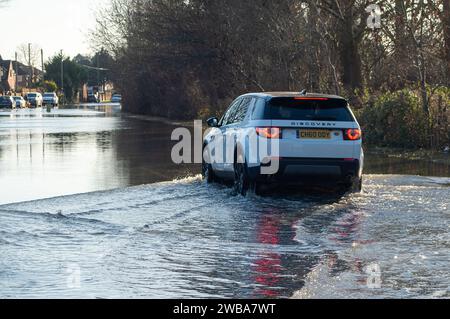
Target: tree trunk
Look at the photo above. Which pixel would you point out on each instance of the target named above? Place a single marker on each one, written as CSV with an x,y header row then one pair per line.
x,y
349,54
401,41
312,58
350,61
446,27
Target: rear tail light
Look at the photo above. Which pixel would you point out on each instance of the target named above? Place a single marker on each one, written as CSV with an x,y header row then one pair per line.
x,y
352,134
269,132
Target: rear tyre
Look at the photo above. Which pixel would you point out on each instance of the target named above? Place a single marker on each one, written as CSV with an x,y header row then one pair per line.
x,y
242,182
360,185
354,187
208,172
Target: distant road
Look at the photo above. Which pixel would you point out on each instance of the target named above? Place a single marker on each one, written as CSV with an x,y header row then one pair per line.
x,y
90,104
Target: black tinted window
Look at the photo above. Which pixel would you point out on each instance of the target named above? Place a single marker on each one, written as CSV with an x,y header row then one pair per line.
x,y
308,110
258,109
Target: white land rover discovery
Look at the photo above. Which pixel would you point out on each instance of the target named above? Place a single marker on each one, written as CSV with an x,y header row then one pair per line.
x,y
288,138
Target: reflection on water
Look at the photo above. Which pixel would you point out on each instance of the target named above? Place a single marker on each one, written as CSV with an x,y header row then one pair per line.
x,y
74,151
377,163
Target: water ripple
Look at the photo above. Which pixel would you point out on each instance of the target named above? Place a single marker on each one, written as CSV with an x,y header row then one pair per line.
x,y
188,239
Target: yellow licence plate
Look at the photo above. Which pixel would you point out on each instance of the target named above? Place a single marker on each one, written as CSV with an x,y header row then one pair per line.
x,y
315,134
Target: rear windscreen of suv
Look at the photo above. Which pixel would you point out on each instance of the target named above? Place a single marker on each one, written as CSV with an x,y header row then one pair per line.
x,y
288,108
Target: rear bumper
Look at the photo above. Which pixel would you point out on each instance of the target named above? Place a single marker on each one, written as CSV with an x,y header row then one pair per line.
x,y
311,170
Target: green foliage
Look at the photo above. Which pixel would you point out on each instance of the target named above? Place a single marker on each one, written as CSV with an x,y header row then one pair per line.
x,y
395,119
74,75
440,116
97,68
50,86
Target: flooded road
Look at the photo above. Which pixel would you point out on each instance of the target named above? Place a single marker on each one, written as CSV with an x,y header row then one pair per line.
x,y
81,150
183,238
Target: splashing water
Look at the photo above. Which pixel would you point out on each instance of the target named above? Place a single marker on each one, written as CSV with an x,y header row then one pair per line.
x,y
188,239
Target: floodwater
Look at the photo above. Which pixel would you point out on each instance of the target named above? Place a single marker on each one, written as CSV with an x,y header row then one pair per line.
x,y
81,150
146,228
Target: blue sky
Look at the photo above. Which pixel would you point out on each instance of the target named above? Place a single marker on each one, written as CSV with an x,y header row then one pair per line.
x,y
51,24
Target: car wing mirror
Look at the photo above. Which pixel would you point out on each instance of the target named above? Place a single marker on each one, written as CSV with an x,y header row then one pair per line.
x,y
213,122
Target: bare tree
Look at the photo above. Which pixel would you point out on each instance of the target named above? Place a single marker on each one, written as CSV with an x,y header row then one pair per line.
x,y
29,54
445,18
212,50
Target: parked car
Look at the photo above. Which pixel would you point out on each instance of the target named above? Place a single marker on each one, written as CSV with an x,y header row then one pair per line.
x,y
318,138
50,98
35,99
116,98
7,102
20,102
93,98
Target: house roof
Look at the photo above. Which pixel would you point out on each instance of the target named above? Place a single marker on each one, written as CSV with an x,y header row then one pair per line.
x,y
23,69
4,68
5,64
20,68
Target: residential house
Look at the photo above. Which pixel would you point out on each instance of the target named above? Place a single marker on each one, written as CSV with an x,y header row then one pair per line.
x,y
104,91
26,75
7,76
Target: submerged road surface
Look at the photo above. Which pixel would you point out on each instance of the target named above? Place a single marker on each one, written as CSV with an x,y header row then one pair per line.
x,y
188,239
183,238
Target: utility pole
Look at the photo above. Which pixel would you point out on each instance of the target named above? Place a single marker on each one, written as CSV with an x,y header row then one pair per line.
x,y
98,78
16,68
42,60
29,64
62,77
98,71
29,54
